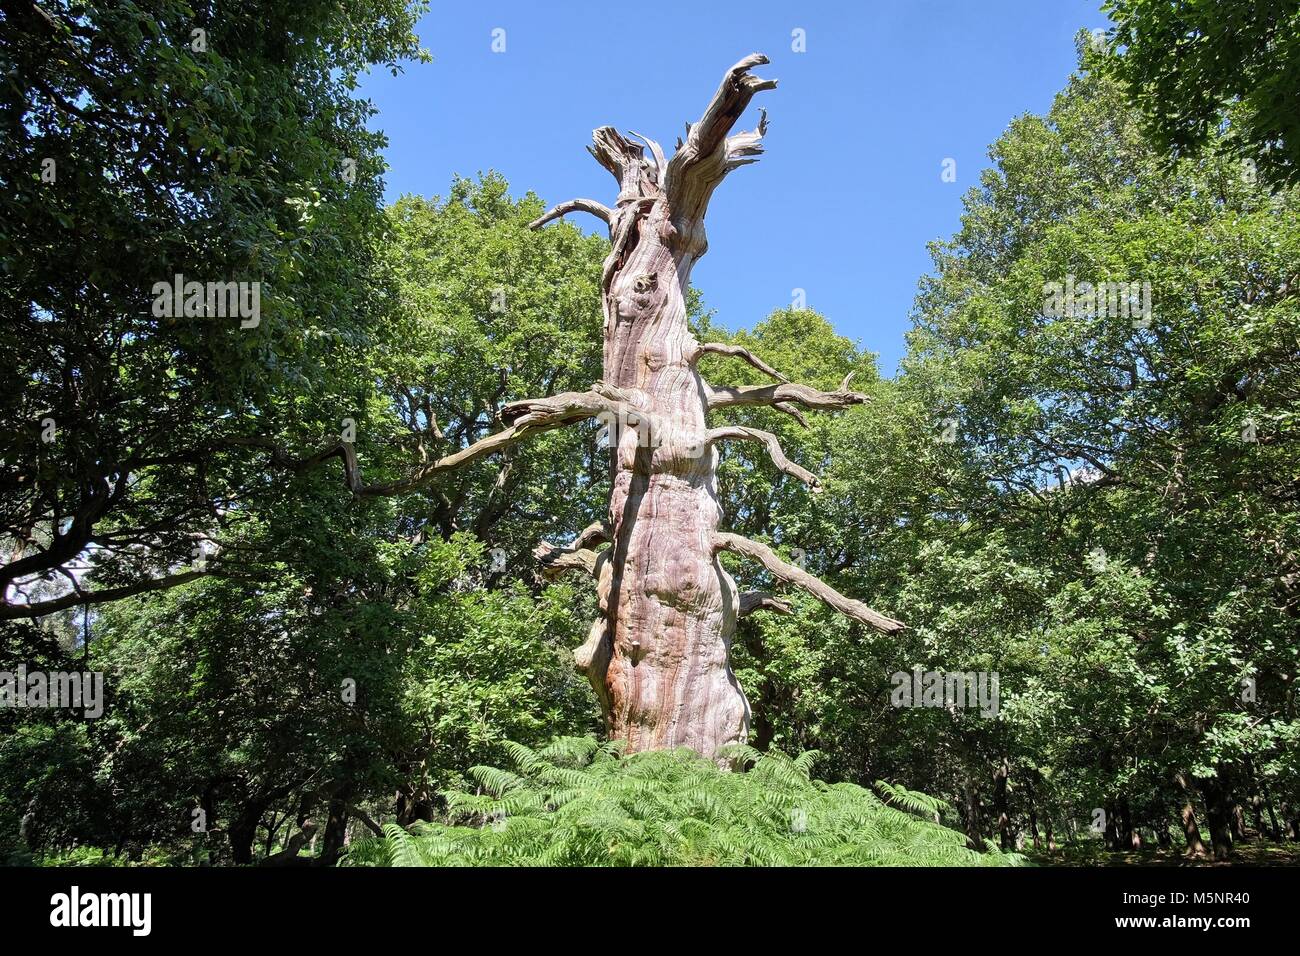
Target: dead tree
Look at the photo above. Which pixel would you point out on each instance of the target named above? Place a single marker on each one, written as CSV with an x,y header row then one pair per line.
x,y
657,655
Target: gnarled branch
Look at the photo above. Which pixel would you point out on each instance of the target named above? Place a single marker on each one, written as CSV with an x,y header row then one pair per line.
x,y
595,533
77,598
745,148
813,585
704,157
637,178
792,411
580,555
751,601
736,351
555,561
524,418
599,210
774,451
787,393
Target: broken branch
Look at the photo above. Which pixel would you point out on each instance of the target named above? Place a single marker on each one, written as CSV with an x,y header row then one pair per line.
x,y
599,210
736,351
725,396
524,418
752,601
555,561
704,155
810,583
774,451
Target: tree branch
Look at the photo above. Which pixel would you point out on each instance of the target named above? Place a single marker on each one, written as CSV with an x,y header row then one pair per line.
x,y
792,411
752,601
736,351
579,556
774,450
599,210
524,418
725,396
814,585
9,612
637,178
556,561
704,158
745,148
595,533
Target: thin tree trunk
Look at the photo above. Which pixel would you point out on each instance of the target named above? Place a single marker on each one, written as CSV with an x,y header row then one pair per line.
x,y
1111,832
1000,804
1238,817
974,818
335,836
1275,832
1218,814
1191,829
1160,827
1129,836
241,834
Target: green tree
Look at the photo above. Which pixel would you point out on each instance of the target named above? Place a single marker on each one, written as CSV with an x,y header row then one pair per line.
x,y
222,143
1189,65
1117,446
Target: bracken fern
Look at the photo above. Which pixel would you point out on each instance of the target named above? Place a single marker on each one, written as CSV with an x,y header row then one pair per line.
x,y
577,802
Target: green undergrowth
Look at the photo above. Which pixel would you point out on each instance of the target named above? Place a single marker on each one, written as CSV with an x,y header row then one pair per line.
x,y
577,802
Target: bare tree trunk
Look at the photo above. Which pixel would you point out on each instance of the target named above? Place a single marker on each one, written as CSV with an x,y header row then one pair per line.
x,y
658,656
1160,827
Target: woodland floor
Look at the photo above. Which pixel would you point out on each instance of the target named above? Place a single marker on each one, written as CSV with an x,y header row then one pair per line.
x,y
1249,853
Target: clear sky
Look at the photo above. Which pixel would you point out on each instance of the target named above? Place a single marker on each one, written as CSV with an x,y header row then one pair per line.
x,y
849,191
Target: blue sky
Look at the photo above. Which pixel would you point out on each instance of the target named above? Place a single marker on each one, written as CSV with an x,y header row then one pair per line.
x,y
849,191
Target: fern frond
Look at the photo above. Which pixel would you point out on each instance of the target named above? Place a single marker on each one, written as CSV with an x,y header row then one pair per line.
x,y
576,802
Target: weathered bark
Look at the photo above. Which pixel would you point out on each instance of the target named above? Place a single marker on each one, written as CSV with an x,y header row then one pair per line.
x,y
658,655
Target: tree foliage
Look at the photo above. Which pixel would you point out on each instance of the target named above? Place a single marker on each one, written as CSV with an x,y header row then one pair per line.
x,y
1185,61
